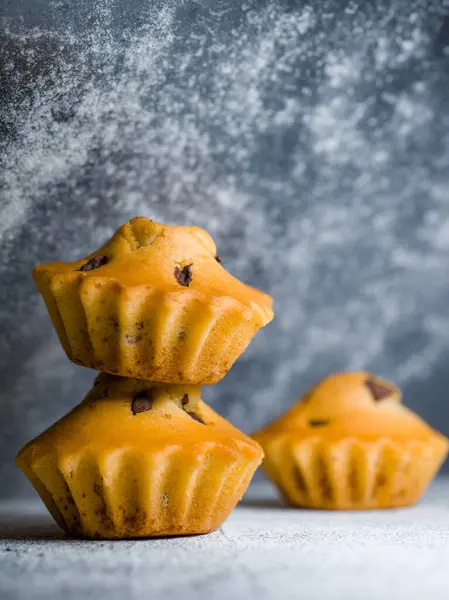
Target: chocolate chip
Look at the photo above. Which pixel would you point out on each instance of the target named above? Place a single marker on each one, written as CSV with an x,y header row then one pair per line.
x,y
142,402
195,417
192,415
379,389
318,422
184,402
94,263
218,258
184,276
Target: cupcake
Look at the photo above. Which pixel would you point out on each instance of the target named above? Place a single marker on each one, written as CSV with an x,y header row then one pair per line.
x,y
153,303
140,459
349,443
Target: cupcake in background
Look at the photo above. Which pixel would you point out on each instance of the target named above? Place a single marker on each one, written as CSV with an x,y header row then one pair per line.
x,y
349,443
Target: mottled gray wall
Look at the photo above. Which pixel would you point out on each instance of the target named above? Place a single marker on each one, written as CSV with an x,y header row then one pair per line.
x,y
312,141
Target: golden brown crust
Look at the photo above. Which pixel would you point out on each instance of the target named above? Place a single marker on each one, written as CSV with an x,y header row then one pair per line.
x,y
350,443
153,303
139,459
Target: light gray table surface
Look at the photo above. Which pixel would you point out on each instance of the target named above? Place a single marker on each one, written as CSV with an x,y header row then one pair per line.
x,y
264,550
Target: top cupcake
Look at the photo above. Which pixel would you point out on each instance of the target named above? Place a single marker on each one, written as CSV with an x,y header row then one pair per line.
x,y
153,303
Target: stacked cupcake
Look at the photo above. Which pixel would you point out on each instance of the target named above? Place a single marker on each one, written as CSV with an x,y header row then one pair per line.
x,y
142,454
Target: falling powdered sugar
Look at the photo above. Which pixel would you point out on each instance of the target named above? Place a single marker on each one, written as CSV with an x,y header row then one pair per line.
x,y
309,140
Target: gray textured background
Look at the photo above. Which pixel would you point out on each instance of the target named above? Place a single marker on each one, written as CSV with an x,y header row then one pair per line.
x,y
312,141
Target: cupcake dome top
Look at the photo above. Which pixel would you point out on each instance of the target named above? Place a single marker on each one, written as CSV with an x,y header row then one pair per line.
x,y
124,414
357,404
168,258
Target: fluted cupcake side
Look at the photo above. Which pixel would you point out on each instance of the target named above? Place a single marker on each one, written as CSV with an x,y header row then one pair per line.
x,y
140,332
350,473
129,494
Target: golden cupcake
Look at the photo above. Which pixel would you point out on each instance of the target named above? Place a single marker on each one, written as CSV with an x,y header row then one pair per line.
x,y
140,459
153,303
349,443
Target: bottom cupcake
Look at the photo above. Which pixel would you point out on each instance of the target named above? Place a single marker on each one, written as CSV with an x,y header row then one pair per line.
x,y
350,444
140,459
